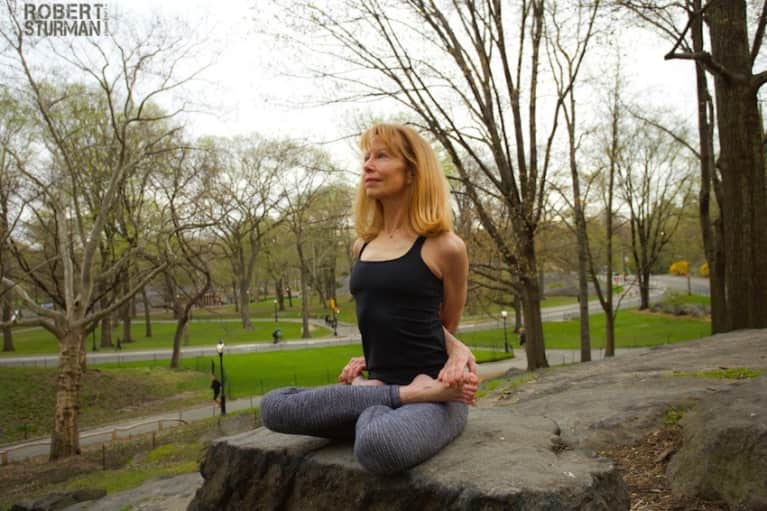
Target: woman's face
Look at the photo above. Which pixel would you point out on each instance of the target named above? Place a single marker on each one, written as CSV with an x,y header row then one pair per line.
x,y
384,173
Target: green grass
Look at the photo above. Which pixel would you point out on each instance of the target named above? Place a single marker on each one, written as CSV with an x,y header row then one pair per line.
x,y
732,373
672,416
504,384
28,397
256,373
632,329
264,309
34,341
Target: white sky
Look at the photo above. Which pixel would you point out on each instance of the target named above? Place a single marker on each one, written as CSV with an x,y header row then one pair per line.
x,y
245,88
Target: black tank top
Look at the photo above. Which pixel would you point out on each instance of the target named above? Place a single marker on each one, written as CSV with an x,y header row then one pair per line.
x,y
398,311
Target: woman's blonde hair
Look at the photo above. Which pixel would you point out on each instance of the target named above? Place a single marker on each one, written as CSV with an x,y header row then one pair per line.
x,y
428,200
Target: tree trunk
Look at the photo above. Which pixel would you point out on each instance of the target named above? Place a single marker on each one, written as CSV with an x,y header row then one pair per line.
x,y
644,289
305,334
531,309
147,315
610,334
65,440
741,161
243,299
279,292
235,296
177,337
712,234
716,277
517,313
7,332
126,313
106,327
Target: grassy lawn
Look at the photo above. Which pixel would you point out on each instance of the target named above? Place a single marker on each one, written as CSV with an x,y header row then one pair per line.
x,y
264,309
35,341
632,329
28,397
256,373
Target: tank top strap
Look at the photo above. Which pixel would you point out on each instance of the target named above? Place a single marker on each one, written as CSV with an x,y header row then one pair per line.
x,y
362,249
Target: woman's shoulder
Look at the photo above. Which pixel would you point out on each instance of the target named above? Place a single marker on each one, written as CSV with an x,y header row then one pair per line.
x,y
448,243
357,246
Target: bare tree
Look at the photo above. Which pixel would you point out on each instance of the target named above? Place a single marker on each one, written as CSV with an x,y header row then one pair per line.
x,y
734,243
119,71
655,182
566,64
187,272
466,87
245,189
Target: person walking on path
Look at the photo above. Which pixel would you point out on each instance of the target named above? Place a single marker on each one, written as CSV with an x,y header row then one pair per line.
x,y
409,282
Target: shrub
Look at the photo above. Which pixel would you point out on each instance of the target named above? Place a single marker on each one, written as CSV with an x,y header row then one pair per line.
x,y
680,268
703,270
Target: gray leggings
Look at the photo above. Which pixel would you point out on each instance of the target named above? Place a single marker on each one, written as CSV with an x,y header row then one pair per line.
x,y
389,437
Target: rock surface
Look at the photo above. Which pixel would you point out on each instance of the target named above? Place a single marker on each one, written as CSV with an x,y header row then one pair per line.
x,y
166,494
530,448
499,462
724,455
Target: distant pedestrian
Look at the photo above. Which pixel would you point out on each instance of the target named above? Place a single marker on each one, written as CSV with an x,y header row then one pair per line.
x,y
276,336
522,336
216,386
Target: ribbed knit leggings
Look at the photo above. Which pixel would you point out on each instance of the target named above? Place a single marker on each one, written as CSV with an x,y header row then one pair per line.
x,y
389,437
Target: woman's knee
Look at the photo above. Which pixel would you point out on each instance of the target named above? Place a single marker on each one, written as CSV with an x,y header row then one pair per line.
x,y
273,407
376,445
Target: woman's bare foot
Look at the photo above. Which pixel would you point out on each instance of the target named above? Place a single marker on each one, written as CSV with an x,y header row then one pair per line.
x,y
361,381
424,389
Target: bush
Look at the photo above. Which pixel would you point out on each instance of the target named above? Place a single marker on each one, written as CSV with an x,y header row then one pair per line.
x,y
681,268
703,270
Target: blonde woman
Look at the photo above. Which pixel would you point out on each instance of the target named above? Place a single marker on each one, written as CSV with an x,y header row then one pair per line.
x,y
409,283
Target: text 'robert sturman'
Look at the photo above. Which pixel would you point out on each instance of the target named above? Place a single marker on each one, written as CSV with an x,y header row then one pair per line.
x,y
65,19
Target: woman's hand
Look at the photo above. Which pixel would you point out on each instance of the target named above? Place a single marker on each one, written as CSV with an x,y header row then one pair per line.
x,y
460,358
353,369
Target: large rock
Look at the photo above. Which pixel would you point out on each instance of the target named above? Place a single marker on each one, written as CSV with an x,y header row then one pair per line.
x,y
502,460
724,455
529,449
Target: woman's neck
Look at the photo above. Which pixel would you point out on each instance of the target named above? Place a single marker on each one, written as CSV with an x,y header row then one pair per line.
x,y
395,219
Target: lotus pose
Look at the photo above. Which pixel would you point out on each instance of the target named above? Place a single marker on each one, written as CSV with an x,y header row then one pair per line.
x,y
409,282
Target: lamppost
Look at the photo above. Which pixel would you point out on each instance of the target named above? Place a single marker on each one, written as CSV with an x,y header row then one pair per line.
x,y
275,311
220,349
504,314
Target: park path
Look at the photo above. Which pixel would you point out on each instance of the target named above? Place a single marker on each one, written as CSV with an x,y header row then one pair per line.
x,y
90,437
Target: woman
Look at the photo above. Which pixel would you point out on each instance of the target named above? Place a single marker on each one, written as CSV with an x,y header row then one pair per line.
x,y
409,283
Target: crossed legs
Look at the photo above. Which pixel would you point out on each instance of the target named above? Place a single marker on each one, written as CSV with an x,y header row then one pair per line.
x,y
390,436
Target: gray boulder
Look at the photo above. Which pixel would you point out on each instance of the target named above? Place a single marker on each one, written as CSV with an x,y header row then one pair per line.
x,y
724,455
501,461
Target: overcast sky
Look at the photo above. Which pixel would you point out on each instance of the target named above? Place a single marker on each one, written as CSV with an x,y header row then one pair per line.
x,y
247,91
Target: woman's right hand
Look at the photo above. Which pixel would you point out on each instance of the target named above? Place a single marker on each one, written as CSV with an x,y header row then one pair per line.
x,y
353,369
